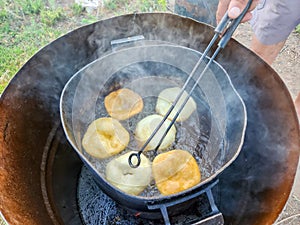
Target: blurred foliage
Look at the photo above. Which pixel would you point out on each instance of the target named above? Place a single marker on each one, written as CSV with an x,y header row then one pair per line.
x,y
298,29
50,17
153,5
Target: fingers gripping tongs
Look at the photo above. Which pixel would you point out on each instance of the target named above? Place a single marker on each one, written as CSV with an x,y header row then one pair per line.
x,y
224,31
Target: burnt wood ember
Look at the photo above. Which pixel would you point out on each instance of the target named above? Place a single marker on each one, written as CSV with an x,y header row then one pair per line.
x,y
96,207
39,171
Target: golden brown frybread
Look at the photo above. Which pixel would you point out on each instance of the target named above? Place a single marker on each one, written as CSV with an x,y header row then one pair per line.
x,y
105,137
175,171
123,104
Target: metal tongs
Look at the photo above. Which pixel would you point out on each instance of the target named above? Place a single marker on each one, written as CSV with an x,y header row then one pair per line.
x,y
224,30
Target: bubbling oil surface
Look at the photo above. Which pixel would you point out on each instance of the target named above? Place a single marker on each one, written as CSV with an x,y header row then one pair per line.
x,y
192,134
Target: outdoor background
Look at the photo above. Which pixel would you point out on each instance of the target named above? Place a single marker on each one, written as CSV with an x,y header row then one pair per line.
x,y
28,25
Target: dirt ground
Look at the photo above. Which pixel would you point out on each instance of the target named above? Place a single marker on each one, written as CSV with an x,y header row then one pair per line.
x,y
287,64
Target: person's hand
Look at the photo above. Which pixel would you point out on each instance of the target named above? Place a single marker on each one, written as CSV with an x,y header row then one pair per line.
x,y
234,7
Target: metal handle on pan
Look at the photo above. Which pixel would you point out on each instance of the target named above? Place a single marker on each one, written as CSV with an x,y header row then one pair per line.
x,y
214,217
115,44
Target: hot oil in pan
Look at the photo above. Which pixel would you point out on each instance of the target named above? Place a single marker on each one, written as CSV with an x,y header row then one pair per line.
x,y
148,79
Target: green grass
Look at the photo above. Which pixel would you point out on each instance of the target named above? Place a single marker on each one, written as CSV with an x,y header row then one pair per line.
x,y
28,25
50,17
25,26
298,29
150,5
77,9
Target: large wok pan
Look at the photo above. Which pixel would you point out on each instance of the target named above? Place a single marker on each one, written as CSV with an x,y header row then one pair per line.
x,y
39,170
217,133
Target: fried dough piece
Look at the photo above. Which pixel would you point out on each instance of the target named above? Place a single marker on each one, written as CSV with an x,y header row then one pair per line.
x,y
130,180
145,128
105,137
175,171
123,104
167,97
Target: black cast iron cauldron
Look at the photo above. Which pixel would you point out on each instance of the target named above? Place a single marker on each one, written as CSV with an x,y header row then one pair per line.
x,y
39,170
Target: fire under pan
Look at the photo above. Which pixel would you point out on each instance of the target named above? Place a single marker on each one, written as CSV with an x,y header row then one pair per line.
x,y
96,207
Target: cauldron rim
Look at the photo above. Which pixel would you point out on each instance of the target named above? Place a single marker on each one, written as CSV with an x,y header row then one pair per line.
x,y
20,85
